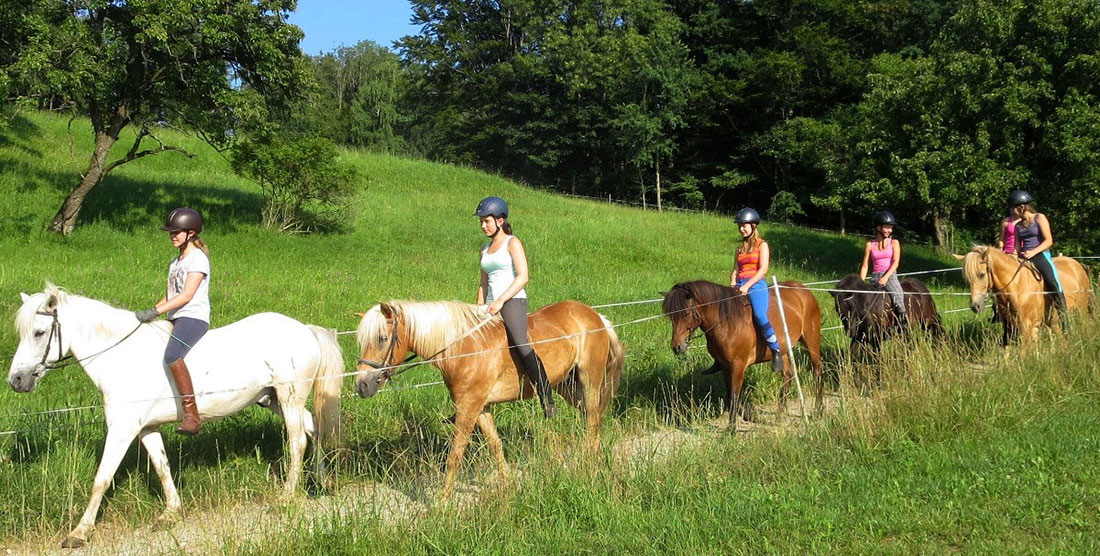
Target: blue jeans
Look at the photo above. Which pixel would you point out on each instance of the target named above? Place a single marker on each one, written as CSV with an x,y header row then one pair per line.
x,y
758,298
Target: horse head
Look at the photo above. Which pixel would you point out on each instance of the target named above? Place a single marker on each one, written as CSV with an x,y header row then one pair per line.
x,y
41,344
680,307
381,346
977,273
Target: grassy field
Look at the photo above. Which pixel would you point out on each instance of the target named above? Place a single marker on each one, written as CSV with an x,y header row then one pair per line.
x,y
946,456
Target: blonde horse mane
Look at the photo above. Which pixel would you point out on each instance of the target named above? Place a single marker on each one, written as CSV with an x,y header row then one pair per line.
x,y
434,325
977,255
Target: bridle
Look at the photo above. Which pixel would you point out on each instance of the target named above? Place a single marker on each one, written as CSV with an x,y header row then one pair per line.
x,y
390,370
55,330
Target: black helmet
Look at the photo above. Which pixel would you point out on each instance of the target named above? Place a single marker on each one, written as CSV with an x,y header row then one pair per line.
x,y
747,216
492,206
1019,197
183,218
884,218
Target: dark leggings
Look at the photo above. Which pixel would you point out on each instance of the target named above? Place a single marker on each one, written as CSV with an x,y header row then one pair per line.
x,y
514,313
186,332
1043,264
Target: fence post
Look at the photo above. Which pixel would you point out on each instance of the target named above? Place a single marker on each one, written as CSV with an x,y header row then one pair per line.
x,y
790,348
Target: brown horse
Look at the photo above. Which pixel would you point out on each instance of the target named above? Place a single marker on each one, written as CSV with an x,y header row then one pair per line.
x,y
1018,290
868,317
732,338
579,349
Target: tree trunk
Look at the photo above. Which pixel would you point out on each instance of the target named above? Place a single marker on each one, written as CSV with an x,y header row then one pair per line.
x,y
657,173
842,223
65,219
944,230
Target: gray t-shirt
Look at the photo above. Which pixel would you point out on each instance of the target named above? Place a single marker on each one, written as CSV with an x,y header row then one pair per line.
x,y
199,306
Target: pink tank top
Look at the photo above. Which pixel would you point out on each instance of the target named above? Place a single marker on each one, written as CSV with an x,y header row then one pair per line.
x,y
881,260
1010,235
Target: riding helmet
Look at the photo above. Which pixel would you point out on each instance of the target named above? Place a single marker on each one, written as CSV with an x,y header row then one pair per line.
x,y
183,218
1019,197
747,216
884,218
492,206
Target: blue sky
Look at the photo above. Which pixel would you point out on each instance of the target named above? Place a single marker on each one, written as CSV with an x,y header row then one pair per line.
x,y
331,23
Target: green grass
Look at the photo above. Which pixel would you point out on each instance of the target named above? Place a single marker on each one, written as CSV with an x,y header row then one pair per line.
x,y
886,474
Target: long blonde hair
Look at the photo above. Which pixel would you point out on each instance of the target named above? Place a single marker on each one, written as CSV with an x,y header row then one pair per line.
x,y
200,245
752,242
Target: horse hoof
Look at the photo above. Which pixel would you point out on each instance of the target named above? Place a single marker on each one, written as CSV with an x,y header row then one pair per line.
x,y
165,522
73,542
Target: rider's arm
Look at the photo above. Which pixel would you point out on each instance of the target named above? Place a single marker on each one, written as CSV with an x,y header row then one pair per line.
x,y
1004,230
866,257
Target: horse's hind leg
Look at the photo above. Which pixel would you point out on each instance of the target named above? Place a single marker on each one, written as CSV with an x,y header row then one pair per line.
x,y
154,446
293,407
114,448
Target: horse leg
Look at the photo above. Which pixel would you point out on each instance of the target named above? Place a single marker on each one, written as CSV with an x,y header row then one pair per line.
x,y
489,428
813,346
154,446
114,448
736,381
296,443
467,409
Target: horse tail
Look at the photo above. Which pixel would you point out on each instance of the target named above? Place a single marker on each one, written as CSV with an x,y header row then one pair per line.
x,y
326,389
613,371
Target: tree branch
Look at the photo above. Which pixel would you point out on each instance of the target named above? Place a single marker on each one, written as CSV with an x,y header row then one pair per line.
x,y
134,154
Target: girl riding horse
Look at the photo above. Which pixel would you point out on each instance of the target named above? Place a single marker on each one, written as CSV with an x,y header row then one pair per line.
x,y
1033,244
750,267
884,254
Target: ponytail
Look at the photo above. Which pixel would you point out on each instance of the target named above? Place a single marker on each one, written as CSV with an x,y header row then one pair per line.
x,y
200,245
507,227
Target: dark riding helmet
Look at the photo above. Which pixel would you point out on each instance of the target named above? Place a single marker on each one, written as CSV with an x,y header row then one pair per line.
x,y
492,206
183,218
747,216
1019,197
884,218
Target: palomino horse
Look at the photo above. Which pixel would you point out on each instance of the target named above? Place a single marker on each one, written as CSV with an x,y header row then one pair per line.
x,y
869,318
578,347
732,339
263,356
1018,291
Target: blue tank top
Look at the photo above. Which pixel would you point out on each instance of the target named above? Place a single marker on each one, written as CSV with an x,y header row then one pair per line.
x,y
1028,237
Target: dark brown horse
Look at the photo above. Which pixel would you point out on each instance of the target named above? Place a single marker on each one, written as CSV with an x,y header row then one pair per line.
x,y
868,317
732,339
578,346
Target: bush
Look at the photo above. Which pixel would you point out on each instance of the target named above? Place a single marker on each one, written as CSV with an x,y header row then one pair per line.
x,y
305,188
784,207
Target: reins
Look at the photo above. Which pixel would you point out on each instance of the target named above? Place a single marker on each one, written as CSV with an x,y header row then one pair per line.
x,y
67,360
394,369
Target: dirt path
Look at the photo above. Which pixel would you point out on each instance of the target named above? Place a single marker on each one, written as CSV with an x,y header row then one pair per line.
x,y
206,531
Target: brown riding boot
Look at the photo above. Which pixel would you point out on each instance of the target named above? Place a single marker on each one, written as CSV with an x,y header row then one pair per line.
x,y
191,422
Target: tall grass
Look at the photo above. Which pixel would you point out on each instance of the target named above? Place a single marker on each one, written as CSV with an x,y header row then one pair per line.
x,y
413,237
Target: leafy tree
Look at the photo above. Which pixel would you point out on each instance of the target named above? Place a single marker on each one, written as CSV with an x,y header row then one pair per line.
x,y
205,65
305,187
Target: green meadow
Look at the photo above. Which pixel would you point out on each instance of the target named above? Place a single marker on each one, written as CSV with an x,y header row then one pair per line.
x,y
965,446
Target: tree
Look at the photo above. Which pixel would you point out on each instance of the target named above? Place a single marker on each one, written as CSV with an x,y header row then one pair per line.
x,y
204,65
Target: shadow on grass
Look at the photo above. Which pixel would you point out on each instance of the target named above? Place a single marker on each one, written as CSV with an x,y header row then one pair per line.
x,y
128,204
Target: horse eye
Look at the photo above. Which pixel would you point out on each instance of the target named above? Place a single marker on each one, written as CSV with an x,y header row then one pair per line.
x,y
39,333
381,339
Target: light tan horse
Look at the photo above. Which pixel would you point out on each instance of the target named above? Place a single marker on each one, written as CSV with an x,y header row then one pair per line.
x,y
1018,290
579,349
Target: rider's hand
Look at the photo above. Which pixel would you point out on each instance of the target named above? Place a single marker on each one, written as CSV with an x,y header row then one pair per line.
x,y
146,315
494,307
882,281
743,290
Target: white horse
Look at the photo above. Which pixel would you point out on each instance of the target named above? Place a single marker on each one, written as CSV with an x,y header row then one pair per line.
x,y
267,356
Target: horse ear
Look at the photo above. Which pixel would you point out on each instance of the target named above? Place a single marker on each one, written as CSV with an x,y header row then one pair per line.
x,y
663,294
51,303
361,314
24,296
387,310
959,257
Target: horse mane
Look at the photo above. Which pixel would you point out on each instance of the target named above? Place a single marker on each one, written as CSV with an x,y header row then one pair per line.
x,y
105,325
434,324
977,254
702,292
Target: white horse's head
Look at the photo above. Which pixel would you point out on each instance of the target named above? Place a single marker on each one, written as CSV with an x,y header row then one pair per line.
x,y
41,343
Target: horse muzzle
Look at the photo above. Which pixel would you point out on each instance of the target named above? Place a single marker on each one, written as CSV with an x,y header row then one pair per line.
x,y
679,348
23,382
369,382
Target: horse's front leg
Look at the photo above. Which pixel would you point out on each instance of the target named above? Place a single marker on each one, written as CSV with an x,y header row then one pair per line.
x,y
154,446
489,428
467,410
736,381
114,448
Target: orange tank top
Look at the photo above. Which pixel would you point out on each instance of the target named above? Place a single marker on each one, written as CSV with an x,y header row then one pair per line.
x,y
748,263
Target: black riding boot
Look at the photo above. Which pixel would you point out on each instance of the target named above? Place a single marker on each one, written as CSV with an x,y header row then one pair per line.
x,y
903,320
1060,306
532,365
777,361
